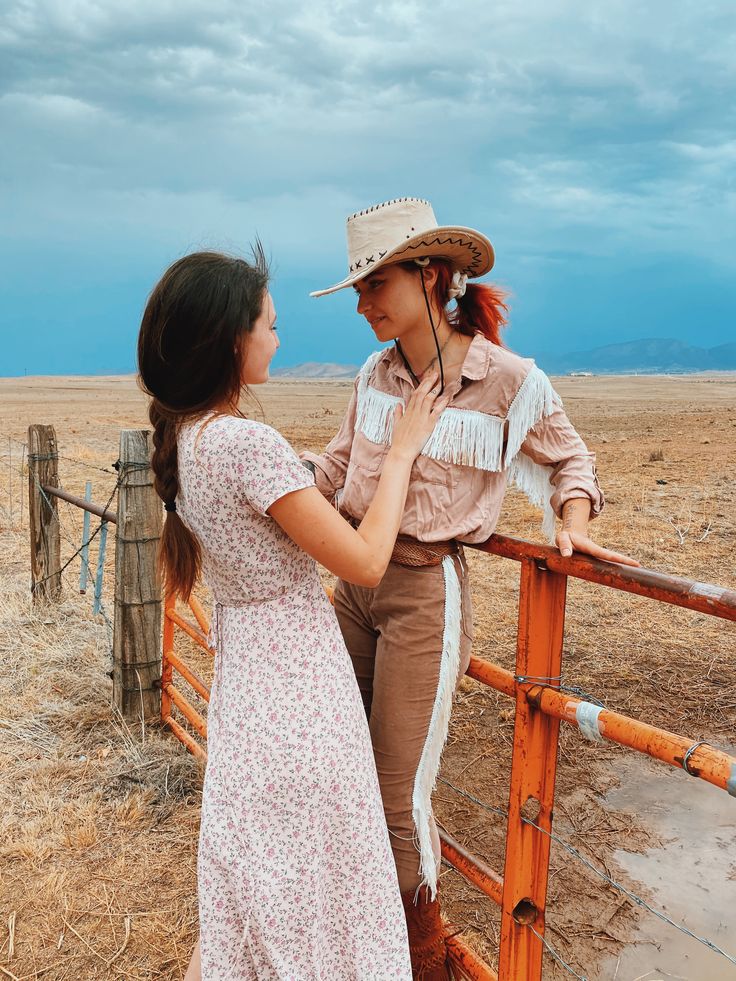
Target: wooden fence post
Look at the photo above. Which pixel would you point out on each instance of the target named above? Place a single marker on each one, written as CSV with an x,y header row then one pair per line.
x,y
43,468
137,630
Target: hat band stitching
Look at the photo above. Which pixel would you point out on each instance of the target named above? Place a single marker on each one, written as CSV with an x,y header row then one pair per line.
x,y
368,260
474,250
386,204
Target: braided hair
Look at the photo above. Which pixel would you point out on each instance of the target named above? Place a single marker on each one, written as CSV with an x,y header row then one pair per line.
x,y
190,350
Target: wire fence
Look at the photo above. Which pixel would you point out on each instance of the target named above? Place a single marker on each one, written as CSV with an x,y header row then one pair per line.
x,y
84,464
14,465
21,472
571,850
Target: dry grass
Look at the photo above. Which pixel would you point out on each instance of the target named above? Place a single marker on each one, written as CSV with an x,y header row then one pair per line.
x,y
98,820
97,824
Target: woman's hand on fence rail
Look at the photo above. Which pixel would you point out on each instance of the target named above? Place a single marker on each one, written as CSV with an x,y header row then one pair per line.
x,y
574,534
567,541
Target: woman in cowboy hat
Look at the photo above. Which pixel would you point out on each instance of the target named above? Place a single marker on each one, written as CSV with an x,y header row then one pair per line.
x,y
409,638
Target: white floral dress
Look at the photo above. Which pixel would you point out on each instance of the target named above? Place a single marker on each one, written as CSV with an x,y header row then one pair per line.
x,y
296,876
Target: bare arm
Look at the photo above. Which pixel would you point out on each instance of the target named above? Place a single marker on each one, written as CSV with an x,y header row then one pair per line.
x,y
574,534
361,556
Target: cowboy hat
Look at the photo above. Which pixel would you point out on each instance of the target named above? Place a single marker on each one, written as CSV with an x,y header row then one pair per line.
x,y
404,229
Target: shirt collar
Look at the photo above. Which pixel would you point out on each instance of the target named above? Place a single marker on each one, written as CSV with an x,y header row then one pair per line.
x,y
475,366
395,365
478,359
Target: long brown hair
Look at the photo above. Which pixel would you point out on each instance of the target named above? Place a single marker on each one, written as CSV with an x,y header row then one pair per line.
x,y
482,309
190,351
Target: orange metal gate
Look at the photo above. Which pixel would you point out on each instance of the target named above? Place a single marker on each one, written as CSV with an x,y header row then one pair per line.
x,y
540,707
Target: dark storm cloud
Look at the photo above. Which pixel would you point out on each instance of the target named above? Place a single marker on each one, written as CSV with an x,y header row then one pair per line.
x,y
568,131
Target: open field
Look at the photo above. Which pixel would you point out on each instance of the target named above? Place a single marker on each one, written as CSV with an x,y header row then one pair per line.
x,y
98,822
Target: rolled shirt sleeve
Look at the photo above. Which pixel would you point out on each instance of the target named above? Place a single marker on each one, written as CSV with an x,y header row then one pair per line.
x,y
553,442
330,466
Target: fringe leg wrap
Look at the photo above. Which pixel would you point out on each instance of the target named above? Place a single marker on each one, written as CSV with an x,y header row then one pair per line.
x,y
427,943
429,762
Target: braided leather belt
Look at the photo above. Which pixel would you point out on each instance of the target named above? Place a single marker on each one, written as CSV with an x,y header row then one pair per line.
x,y
410,551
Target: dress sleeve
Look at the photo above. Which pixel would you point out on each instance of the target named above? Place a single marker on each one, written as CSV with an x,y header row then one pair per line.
x,y
331,465
553,442
266,466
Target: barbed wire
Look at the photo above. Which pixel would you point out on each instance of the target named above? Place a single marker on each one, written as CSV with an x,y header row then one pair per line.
x,y
92,575
553,953
546,680
84,544
503,812
123,468
78,551
72,586
84,464
68,459
21,471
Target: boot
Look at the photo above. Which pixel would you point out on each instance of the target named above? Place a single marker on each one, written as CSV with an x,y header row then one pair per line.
x,y
429,960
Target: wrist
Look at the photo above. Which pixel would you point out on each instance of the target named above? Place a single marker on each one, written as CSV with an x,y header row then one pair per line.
x,y
576,514
400,456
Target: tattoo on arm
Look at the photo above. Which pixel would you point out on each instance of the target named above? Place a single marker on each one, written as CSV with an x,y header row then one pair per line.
x,y
571,511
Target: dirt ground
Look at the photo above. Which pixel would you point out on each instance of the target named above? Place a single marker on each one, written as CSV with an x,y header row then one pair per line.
x,y
98,820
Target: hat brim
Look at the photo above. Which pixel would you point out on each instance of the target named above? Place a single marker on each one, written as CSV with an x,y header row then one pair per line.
x,y
471,252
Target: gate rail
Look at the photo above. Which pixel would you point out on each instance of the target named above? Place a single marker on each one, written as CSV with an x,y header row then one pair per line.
x,y
541,704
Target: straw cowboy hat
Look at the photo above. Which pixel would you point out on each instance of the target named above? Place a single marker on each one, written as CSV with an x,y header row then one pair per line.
x,y
404,229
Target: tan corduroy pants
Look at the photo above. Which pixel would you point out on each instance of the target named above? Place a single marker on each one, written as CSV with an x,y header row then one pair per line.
x,y
394,634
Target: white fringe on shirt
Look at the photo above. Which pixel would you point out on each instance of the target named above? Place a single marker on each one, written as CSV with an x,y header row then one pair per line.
x,y
474,439
533,479
535,399
468,438
364,377
429,763
375,415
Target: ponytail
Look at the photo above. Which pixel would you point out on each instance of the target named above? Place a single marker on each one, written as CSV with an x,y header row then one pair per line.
x,y
179,554
483,308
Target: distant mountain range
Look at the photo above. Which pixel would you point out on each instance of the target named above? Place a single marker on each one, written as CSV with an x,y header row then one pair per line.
x,y
314,369
648,357
651,356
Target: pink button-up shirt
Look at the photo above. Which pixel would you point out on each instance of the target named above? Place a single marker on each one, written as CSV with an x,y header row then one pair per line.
x,y
504,422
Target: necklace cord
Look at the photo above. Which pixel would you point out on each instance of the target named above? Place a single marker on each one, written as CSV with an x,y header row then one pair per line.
x,y
436,343
406,362
434,332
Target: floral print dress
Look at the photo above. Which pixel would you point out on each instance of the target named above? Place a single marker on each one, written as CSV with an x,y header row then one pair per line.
x,y
296,876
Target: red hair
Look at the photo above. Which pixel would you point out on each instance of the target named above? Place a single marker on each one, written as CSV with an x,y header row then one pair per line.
x,y
482,309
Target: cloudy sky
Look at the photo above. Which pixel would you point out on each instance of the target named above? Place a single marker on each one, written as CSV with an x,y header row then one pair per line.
x,y
594,143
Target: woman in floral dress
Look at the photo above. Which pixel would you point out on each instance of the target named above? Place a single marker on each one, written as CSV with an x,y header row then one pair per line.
x,y
296,876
